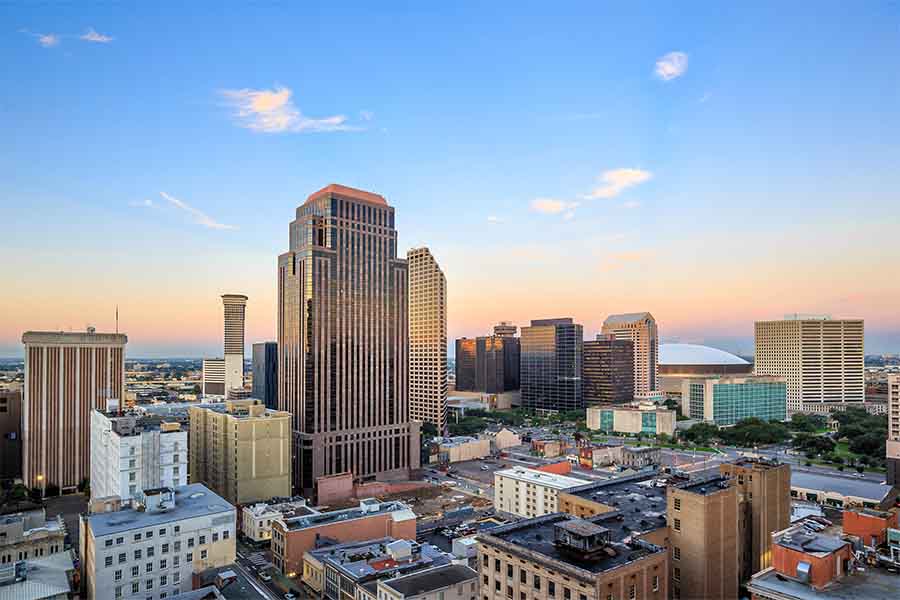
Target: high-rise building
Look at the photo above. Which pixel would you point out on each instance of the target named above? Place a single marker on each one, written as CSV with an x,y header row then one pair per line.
x,y
822,360
608,371
343,340
727,400
10,434
427,339
67,375
764,497
551,365
213,382
704,539
265,373
241,449
130,454
465,365
505,329
893,439
235,307
641,329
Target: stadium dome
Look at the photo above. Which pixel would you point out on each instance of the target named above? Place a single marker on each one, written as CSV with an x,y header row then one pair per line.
x,y
694,354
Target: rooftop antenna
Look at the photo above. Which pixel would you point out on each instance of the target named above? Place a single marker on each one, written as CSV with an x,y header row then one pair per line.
x,y
117,318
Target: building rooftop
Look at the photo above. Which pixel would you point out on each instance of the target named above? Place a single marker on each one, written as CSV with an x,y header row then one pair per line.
x,y
694,354
625,318
349,192
559,482
546,322
862,585
705,487
379,557
38,579
368,507
288,509
538,535
429,580
70,337
639,502
846,486
797,539
192,500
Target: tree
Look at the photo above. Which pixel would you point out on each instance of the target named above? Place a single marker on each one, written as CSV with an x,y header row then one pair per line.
x,y
701,434
860,469
429,430
807,423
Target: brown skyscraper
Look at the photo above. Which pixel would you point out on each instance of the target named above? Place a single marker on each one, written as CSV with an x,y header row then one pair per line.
x,y
66,376
343,342
608,370
10,434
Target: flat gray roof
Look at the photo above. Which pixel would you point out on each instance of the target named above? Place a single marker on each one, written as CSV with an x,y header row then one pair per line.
x,y
431,579
846,486
869,584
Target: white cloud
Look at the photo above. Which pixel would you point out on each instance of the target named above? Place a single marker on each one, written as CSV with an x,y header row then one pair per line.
x,y
47,40
272,111
671,66
494,220
199,217
143,204
614,182
91,35
552,206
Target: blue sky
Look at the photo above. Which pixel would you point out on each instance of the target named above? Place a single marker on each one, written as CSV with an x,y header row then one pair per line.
x,y
755,174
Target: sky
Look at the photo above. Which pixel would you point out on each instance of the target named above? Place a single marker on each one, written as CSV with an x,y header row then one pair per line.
x,y
712,163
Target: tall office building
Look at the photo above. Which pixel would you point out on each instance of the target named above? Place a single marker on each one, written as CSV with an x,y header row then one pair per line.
x,y
465,365
551,365
10,434
235,306
608,370
497,364
822,360
427,339
641,329
343,340
893,440
213,378
265,373
505,329
67,375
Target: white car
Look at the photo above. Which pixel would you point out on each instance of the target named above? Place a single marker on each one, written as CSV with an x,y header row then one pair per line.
x,y
484,468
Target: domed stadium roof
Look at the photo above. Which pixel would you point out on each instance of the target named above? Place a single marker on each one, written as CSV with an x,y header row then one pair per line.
x,y
694,354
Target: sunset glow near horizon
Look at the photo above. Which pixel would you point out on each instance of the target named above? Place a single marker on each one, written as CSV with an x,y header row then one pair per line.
x,y
711,166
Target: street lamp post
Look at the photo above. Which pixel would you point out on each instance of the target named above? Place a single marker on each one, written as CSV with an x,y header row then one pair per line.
x,y
40,480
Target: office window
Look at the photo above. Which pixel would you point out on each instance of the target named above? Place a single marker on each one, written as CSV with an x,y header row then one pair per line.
x,y
551,589
150,551
523,577
567,593
176,577
485,561
122,557
118,591
137,537
165,548
163,563
677,503
676,553
536,581
148,534
176,529
189,557
509,570
215,537
225,534
109,542
108,561
677,524
484,578
497,585
190,542
135,587
632,592
135,571
162,532
203,555
137,554
176,560
676,574
163,580
118,575
202,539
120,540
148,584
149,567
496,565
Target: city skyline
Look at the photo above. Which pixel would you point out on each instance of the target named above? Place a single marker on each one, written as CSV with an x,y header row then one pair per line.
x,y
683,162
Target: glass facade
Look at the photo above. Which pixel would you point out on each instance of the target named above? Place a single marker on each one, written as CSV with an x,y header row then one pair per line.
x,y
733,402
551,365
608,371
607,418
648,422
265,373
695,402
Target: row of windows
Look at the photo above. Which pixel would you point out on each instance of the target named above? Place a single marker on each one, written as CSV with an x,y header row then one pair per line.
x,y
164,548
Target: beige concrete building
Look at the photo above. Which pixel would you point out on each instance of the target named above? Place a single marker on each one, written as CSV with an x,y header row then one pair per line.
x,y
446,582
528,492
257,519
503,439
704,539
764,496
560,557
234,308
66,376
461,448
820,358
29,535
641,329
241,450
427,339
893,438
644,418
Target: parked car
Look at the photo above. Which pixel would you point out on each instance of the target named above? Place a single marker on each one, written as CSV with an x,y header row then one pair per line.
x,y
265,577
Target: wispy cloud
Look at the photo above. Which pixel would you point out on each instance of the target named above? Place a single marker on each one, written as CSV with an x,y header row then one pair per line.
x,y
273,111
494,220
614,182
147,203
552,206
91,35
47,40
197,216
671,66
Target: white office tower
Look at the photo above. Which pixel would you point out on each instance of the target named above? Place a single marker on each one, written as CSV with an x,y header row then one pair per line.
x,y
130,454
822,360
427,339
213,378
235,308
639,328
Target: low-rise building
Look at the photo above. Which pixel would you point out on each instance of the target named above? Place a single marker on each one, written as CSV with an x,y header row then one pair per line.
x,y
502,439
529,492
560,556
130,453
727,400
448,582
48,578
869,525
642,418
343,571
840,491
549,448
638,457
293,537
257,519
460,448
30,535
158,545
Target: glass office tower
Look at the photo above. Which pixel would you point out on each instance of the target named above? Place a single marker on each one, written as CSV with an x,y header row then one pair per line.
x,y
551,365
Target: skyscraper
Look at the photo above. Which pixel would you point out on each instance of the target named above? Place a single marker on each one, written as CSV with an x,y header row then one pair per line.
x,y
235,306
641,329
551,365
66,376
465,365
505,329
427,339
893,439
822,360
265,373
496,364
608,370
10,434
343,341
